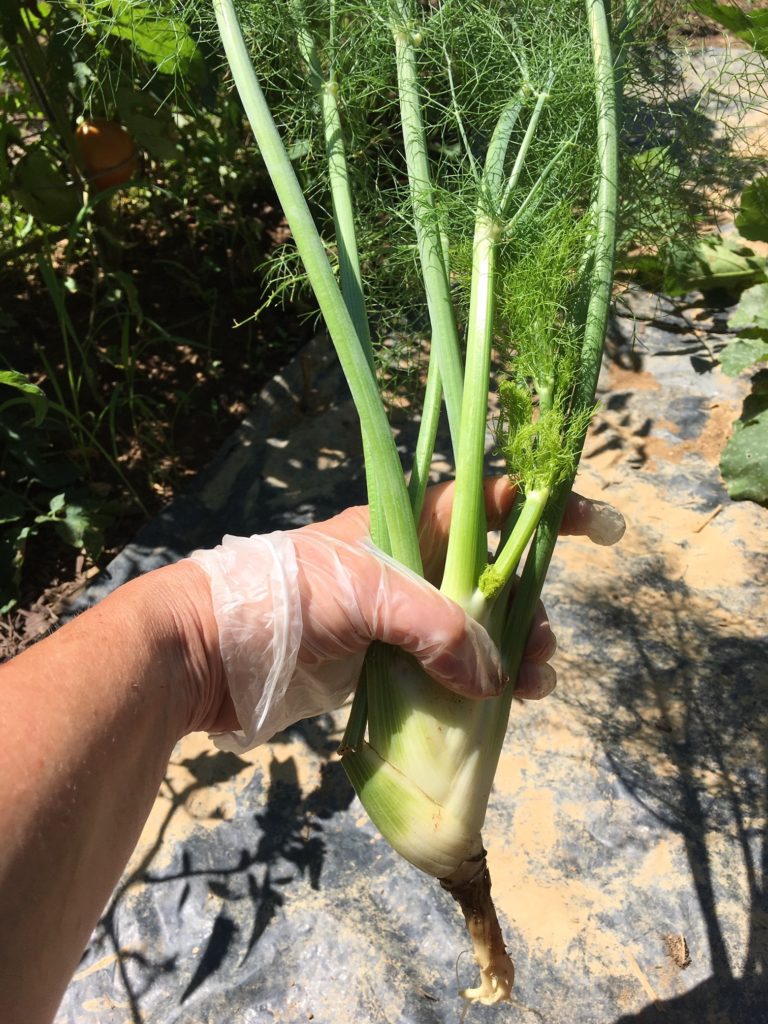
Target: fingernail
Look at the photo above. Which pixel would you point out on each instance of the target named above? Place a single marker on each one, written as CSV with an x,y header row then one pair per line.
x,y
606,523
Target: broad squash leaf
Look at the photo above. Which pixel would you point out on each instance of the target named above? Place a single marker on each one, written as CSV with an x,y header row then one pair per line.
x,y
741,353
161,38
744,462
751,314
752,218
713,263
152,127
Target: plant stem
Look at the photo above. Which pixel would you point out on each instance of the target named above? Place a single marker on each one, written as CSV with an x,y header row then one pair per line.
x,y
350,275
607,202
466,543
508,558
425,443
525,145
445,339
537,186
402,542
338,175
493,171
467,540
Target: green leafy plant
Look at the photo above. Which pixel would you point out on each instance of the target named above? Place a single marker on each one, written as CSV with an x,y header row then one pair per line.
x,y
45,493
726,263
744,462
713,263
748,22
468,155
752,218
690,255
90,254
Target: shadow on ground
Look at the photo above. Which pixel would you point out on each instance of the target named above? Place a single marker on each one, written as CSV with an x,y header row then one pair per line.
x,y
686,733
288,845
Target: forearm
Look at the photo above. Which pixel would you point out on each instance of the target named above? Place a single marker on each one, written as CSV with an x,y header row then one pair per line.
x,y
89,718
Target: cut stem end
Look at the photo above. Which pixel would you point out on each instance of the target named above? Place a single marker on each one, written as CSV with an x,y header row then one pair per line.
x,y
470,886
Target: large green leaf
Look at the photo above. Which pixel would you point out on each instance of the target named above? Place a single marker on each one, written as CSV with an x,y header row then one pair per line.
x,y
751,314
749,25
752,218
712,263
43,190
741,353
151,126
744,462
161,38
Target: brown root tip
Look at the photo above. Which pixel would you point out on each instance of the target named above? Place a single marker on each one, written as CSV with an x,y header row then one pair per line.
x,y
470,886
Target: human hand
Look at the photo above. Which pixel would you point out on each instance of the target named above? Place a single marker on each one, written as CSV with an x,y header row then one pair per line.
x,y
294,634
597,520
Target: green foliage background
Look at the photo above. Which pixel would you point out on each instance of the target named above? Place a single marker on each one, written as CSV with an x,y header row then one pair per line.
x,y
87,427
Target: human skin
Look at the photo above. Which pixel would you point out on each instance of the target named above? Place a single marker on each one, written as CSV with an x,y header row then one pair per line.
x,y
89,719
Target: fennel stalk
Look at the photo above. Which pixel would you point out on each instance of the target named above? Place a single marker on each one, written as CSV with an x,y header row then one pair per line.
x,y
468,151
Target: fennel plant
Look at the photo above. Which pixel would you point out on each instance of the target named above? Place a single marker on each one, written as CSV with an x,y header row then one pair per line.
x,y
451,163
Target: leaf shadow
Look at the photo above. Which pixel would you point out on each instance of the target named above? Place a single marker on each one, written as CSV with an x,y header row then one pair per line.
x,y
686,733
288,846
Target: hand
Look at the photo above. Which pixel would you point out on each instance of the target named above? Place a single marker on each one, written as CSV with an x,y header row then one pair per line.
x,y
597,520
297,610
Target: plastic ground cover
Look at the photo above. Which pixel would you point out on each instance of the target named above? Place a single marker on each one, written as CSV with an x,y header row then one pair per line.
x,y
627,827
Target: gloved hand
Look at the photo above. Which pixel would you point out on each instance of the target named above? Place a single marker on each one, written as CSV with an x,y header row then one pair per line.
x,y
297,610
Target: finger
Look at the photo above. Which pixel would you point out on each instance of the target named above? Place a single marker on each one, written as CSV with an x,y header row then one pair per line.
x,y
536,678
598,520
434,525
353,524
498,496
452,648
535,681
541,643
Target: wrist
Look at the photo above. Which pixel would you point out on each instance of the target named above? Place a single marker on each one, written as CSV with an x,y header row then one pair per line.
x,y
183,600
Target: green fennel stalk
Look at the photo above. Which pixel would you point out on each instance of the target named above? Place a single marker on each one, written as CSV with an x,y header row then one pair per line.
x,y
403,543
470,157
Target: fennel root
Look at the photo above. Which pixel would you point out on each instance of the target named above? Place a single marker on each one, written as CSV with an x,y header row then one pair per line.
x,y
470,886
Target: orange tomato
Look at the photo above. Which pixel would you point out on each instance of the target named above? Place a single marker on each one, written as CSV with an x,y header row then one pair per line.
x,y
109,153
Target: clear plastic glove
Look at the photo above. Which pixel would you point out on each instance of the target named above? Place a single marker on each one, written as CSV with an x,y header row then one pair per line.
x,y
297,610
